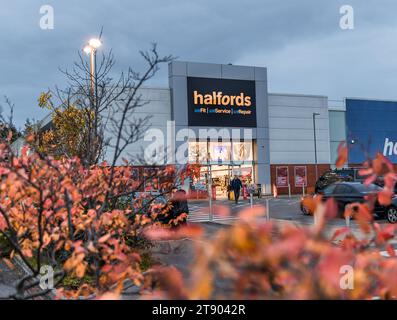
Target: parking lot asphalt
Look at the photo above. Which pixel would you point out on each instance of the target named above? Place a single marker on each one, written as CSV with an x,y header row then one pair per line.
x,y
281,208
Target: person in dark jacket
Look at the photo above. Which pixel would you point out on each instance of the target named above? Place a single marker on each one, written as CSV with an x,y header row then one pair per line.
x,y
181,206
236,186
177,206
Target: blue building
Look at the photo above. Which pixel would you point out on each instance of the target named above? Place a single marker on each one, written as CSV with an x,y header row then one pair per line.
x,y
368,126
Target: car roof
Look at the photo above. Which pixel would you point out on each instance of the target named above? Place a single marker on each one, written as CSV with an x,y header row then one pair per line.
x,y
352,183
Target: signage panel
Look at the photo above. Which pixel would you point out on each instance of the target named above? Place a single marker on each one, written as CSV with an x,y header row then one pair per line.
x,y
221,102
300,176
371,128
282,177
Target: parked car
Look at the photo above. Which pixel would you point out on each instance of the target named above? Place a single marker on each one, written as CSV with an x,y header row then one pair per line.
x,y
338,175
346,193
380,181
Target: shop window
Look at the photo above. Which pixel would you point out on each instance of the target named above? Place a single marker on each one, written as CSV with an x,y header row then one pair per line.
x,y
242,151
220,152
198,152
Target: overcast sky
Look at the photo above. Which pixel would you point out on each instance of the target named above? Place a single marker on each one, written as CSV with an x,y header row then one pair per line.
x,y
300,42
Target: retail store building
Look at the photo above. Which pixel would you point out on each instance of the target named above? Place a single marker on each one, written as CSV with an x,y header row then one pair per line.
x,y
223,118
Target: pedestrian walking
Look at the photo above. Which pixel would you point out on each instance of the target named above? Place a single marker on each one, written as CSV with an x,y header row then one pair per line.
x,y
236,186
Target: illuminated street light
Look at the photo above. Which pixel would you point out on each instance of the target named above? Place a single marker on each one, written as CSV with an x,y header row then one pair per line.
x,y
91,49
95,43
87,49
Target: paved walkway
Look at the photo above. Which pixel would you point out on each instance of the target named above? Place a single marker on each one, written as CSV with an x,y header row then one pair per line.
x,y
224,210
9,275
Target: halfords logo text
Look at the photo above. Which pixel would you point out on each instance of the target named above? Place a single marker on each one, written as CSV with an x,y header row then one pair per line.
x,y
219,99
390,148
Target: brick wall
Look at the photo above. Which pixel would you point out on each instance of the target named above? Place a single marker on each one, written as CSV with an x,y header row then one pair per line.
x,y
311,177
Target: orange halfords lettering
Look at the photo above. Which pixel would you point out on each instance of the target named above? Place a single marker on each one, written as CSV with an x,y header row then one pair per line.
x,y
220,99
248,102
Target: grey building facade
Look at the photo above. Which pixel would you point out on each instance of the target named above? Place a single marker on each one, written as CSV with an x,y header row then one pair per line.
x,y
180,72
267,138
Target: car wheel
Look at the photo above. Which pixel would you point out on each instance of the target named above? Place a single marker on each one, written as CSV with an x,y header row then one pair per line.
x,y
391,214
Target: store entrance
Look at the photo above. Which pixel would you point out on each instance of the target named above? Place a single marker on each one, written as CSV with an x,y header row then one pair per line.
x,y
221,175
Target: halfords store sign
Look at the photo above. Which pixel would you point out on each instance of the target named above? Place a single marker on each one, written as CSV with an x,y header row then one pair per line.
x,y
224,109
221,102
371,128
267,139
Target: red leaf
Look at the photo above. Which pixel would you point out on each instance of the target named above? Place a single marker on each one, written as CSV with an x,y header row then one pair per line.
x,y
390,180
340,232
370,179
363,217
384,197
390,250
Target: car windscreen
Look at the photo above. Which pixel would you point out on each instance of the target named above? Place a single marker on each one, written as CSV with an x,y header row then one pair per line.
x,y
345,173
362,188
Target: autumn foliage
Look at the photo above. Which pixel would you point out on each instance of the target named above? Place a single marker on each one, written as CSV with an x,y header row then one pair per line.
x,y
83,222
256,259
59,213
67,132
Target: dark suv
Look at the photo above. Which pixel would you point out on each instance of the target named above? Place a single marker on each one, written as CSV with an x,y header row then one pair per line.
x,y
341,175
345,193
344,175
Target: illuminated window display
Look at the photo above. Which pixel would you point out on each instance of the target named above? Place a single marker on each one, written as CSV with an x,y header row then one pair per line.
x,y
198,152
224,152
220,151
242,151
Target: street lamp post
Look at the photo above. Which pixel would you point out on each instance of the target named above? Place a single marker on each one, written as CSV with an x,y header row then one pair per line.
x,y
91,48
315,143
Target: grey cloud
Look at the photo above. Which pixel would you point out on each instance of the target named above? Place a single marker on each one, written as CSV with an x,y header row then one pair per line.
x,y
299,41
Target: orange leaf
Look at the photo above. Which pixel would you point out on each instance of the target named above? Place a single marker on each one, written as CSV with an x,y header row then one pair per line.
x,y
110,296
190,231
384,197
342,155
252,213
80,270
104,238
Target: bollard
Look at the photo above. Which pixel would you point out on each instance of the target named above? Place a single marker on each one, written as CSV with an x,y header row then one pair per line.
x,y
289,190
347,219
303,190
267,210
251,200
211,217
